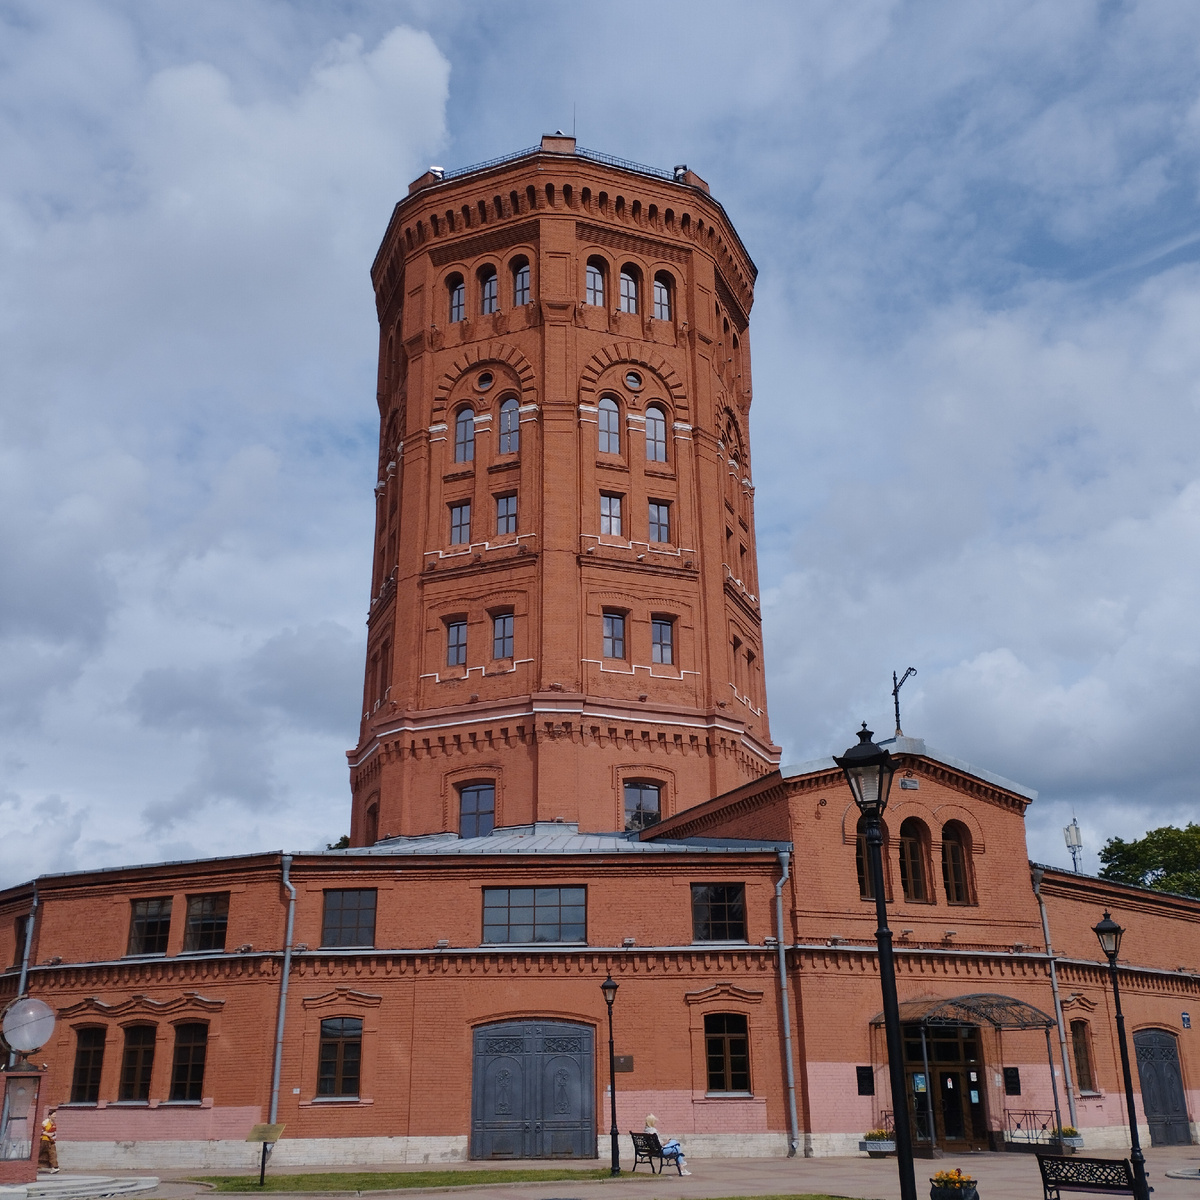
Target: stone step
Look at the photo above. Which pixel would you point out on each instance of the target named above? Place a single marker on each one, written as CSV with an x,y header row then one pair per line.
x,y
76,1187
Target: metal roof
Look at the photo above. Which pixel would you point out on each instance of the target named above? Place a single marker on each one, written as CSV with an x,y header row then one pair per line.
x,y
977,1008
558,837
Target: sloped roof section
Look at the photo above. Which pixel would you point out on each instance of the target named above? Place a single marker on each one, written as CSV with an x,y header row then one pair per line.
x,y
977,1008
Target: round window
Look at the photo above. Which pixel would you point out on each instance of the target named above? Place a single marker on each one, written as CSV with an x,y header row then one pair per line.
x,y
633,380
485,380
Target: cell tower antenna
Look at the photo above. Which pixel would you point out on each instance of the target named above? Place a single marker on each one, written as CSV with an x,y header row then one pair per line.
x,y
1074,841
897,684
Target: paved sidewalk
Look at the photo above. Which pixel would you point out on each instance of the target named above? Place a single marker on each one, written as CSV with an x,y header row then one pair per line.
x,y
1001,1177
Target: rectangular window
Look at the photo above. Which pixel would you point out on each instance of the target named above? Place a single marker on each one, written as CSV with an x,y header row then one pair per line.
x,y
137,1063
643,804
662,640
660,521
349,918
866,1081
456,644
727,1048
544,914
22,928
614,635
610,514
506,514
187,1067
89,1059
502,636
476,810
149,925
207,920
1083,1057
718,912
340,1056
460,524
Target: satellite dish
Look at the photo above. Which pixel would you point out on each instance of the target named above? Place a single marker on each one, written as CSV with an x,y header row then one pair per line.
x,y
28,1024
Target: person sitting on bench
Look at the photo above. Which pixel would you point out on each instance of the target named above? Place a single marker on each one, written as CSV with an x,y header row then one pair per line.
x,y
670,1147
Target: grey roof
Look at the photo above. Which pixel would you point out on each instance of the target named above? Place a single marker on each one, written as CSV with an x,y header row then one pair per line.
x,y
559,837
907,745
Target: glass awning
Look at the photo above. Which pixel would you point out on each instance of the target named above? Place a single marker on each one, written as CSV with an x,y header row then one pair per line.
x,y
978,1008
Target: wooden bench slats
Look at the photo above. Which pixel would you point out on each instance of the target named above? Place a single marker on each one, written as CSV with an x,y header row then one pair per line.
x,y
647,1148
1063,1173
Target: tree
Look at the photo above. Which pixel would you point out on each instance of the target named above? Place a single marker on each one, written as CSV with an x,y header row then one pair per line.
x,y
343,843
1166,859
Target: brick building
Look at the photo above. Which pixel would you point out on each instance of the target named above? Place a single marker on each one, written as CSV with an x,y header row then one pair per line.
x,y
565,770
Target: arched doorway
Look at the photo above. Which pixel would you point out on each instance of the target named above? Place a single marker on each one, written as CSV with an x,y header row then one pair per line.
x,y
1162,1087
533,1091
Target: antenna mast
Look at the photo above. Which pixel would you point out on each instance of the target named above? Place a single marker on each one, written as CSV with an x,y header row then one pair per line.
x,y
897,684
1074,841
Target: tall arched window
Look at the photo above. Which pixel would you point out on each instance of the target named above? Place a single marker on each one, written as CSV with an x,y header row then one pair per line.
x,y
520,270
956,863
594,292
1084,1081
489,291
862,862
912,861
464,436
458,298
510,427
629,289
610,426
662,296
656,434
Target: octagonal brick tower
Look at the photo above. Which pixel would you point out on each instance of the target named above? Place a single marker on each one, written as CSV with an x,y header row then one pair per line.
x,y
564,618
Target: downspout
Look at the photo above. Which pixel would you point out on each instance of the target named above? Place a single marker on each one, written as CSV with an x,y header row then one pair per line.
x,y
781,941
283,988
1068,1083
26,951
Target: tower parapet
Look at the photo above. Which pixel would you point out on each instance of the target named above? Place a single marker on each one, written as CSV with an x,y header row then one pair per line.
x,y
564,622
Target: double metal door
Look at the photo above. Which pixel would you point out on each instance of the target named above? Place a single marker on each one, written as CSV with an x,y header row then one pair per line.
x,y
1162,1087
533,1091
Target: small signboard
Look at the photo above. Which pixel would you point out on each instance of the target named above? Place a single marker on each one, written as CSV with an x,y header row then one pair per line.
x,y
623,1062
265,1133
1187,1020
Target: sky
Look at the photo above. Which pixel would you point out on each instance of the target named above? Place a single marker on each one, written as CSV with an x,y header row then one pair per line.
x,y
976,419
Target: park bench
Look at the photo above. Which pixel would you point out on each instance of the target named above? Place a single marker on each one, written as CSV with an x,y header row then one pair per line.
x,y
1060,1173
647,1148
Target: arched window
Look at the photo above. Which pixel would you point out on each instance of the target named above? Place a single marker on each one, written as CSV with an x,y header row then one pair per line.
x,y
520,269
912,861
464,436
510,425
956,863
862,862
629,289
642,804
371,825
339,1056
458,298
1084,1080
594,293
662,296
656,434
489,291
476,809
610,426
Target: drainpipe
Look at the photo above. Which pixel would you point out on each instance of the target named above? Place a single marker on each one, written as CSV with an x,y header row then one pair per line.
x,y
26,951
283,988
1068,1082
793,1123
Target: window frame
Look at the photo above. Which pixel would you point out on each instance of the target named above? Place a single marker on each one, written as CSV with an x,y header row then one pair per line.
x,y
456,298
344,930
614,635
733,898
629,289
506,521
659,522
642,787
539,902
456,642
136,945
663,296
608,424
188,1062
956,867
340,1041
194,931
611,524
137,1065
489,290
656,447
521,294
502,635
662,650
460,523
464,435
510,415
913,855
723,1040
477,790
1081,1041
88,1066
595,282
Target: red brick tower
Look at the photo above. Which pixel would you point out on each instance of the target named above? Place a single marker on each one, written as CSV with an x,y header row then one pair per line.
x,y
564,620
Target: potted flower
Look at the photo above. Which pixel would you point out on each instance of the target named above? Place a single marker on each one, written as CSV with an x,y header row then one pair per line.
x,y
952,1185
878,1143
1070,1136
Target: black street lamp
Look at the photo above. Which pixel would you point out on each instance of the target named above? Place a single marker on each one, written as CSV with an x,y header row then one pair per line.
x,y
609,988
1109,934
869,771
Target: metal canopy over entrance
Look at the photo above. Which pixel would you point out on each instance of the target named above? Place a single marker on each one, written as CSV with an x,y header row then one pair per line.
x,y
932,1017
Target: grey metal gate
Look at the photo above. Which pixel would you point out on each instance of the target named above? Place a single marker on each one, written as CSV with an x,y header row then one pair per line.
x,y
533,1091
1162,1087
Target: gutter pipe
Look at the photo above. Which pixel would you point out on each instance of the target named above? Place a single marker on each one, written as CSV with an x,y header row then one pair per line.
x,y
26,951
793,1123
1037,873
283,988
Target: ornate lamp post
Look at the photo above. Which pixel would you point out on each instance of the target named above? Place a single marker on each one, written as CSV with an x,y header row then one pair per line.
x,y
1109,933
869,771
609,988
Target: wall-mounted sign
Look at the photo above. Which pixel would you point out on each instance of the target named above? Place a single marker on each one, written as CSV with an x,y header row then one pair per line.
x,y
1187,1020
918,1083
623,1062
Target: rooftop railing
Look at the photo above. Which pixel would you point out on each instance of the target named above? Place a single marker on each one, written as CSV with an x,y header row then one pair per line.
x,y
611,160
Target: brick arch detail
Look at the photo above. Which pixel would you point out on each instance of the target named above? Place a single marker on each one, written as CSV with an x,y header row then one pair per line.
x,y
476,356
621,353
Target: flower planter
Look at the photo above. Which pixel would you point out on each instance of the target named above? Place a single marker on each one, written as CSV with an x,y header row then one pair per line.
x,y
877,1149
941,1191
1076,1143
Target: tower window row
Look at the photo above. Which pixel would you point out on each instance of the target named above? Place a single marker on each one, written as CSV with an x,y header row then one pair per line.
x,y
488,289
662,636
609,422
629,288
460,518
503,642
612,506
510,430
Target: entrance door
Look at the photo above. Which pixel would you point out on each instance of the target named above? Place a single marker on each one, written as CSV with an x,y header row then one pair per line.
x,y
1162,1087
953,1094
532,1093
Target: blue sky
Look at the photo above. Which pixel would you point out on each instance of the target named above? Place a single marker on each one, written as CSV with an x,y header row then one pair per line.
x,y
976,362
